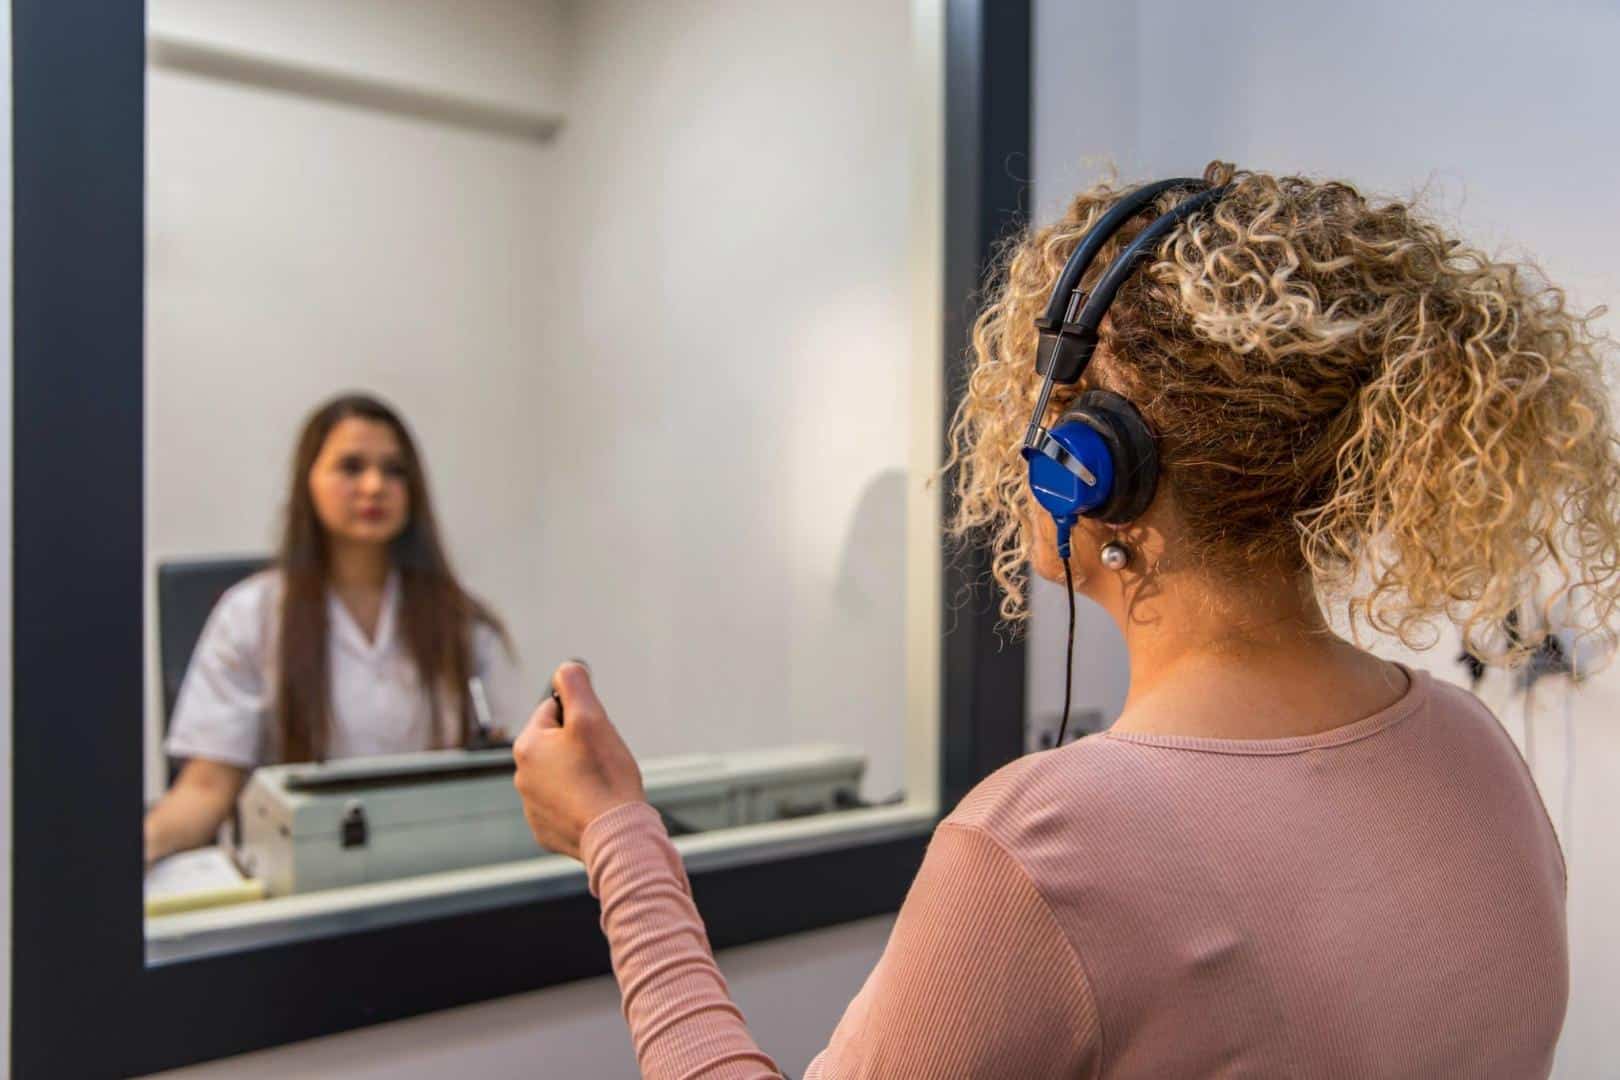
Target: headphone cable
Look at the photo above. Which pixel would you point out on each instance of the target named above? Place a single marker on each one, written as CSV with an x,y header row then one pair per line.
x,y
1068,654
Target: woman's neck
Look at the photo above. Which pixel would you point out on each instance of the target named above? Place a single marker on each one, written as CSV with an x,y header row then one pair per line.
x,y
358,567
1218,659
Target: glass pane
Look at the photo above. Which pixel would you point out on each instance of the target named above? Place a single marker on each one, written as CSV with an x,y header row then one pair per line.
x,y
624,322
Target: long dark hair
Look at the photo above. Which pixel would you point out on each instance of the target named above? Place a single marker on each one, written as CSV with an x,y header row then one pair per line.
x,y
436,615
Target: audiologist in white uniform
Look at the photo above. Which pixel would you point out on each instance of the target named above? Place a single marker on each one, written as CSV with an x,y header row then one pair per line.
x,y
359,641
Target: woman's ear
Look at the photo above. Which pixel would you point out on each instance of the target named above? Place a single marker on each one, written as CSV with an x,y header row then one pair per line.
x,y
1043,556
1090,536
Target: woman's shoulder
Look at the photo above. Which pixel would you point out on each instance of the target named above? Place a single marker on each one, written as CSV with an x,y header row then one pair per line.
x,y
1447,699
254,589
250,602
1085,781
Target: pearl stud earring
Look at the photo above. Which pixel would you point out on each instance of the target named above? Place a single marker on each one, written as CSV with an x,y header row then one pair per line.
x,y
1115,555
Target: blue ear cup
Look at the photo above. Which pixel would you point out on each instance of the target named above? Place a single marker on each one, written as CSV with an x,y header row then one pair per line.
x,y
1074,476
1131,445
1099,461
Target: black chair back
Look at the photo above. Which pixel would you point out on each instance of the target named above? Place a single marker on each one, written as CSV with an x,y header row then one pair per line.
x,y
186,593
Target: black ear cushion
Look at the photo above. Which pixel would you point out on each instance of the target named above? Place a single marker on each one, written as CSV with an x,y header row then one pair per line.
x,y
1136,455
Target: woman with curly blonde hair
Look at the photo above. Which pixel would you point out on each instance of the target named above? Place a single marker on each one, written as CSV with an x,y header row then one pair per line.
x,y
1288,857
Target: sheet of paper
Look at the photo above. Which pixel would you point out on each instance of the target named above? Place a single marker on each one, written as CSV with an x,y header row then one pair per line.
x,y
203,870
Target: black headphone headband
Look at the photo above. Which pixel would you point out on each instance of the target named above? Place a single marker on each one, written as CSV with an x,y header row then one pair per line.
x,y
1069,326
1100,427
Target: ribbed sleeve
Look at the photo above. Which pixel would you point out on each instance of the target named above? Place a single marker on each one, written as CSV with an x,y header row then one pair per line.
x,y
977,978
682,1020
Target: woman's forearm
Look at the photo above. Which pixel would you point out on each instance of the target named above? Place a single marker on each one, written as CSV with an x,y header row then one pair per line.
x,y
682,1020
190,813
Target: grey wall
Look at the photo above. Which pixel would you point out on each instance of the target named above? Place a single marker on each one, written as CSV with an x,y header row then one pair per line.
x,y
792,992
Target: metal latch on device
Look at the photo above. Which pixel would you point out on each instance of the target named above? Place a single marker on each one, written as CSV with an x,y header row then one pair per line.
x,y
354,825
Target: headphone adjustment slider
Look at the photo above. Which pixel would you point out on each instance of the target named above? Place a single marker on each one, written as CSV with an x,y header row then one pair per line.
x,y
1077,300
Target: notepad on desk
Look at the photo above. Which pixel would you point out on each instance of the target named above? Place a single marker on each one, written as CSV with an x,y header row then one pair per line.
x,y
197,879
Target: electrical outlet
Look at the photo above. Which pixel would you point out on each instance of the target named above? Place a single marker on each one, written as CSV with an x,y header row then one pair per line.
x,y
1042,732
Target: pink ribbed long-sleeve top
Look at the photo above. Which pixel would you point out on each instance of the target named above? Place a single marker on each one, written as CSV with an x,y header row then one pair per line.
x,y
1384,899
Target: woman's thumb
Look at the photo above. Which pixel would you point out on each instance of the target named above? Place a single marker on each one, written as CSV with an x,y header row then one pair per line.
x,y
572,682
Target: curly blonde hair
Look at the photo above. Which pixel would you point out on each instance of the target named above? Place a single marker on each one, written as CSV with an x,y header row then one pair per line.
x,y
1337,386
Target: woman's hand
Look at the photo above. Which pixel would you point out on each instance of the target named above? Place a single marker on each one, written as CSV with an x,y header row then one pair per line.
x,y
570,773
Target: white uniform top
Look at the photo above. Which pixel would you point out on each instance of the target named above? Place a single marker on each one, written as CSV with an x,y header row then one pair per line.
x,y
226,708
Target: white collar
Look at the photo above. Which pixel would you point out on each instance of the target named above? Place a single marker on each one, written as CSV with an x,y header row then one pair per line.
x,y
348,631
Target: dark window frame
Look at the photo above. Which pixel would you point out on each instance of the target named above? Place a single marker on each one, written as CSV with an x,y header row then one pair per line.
x,y
84,1002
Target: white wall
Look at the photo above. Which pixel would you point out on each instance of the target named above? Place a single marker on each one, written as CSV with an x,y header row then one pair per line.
x,y
660,365
1504,120
734,398
504,52
297,248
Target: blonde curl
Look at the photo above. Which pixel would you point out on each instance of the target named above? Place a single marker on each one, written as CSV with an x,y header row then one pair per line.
x,y
1337,386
